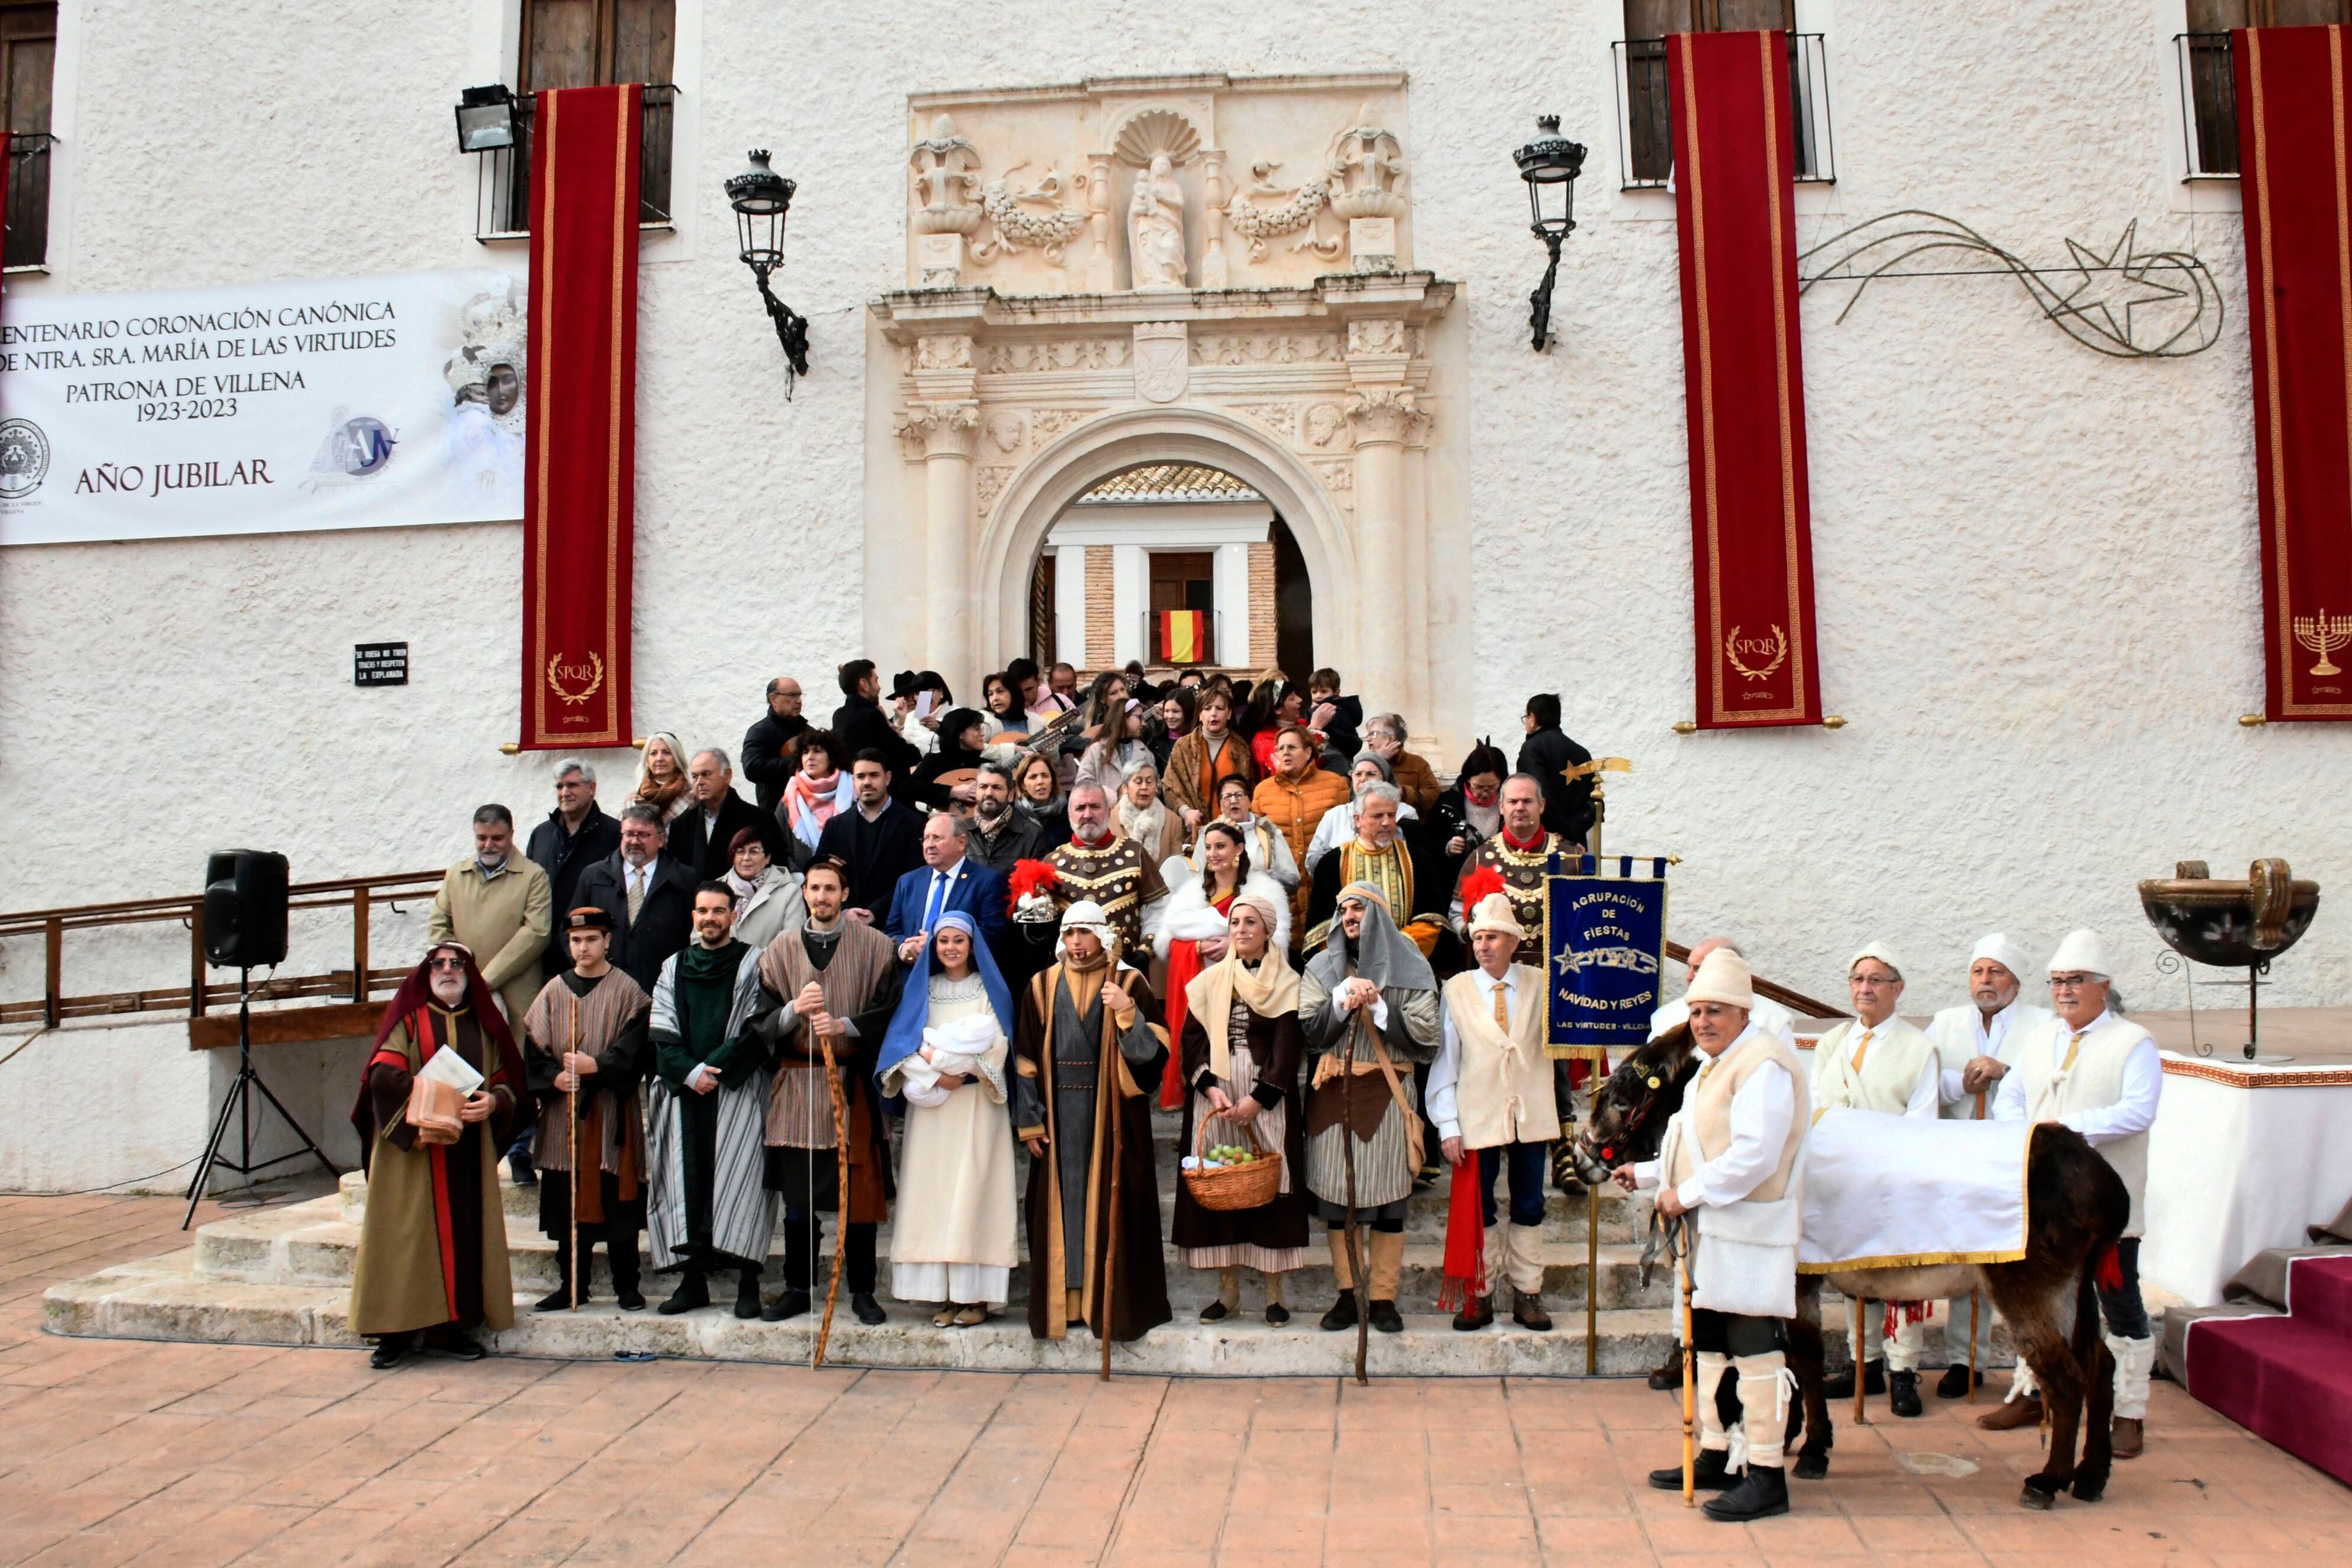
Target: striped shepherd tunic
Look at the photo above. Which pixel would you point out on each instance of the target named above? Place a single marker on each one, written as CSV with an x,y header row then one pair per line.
x,y
742,1212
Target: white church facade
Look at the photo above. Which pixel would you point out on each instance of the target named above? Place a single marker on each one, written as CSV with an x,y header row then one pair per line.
x,y
1279,259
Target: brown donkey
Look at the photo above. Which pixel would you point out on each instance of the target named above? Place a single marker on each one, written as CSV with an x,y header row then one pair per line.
x,y
2078,1207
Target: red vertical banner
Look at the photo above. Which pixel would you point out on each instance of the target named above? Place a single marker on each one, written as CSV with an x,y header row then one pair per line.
x,y
579,480
1751,518
2294,174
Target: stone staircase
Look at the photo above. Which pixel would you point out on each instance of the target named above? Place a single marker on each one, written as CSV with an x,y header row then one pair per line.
x,y
282,1276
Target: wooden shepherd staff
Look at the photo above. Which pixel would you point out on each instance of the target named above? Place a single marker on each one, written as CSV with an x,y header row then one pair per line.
x,y
1860,1409
1348,1155
572,1151
841,1193
1690,1365
1975,1297
1108,1063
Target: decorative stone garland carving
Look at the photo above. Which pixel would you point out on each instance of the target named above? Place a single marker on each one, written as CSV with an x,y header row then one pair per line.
x,y
1300,203
1017,229
1038,358
1281,418
992,482
1046,424
1267,348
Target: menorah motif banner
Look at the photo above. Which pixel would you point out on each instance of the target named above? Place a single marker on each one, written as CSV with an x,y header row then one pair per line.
x,y
580,480
2296,172
1751,520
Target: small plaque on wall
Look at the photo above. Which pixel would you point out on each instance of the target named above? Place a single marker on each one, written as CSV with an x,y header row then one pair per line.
x,y
380,664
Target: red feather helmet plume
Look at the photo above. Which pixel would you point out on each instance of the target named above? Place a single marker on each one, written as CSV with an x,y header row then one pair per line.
x,y
1477,886
1032,877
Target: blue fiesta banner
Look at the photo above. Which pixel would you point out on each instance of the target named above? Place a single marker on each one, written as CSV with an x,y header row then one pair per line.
x,y
1604,938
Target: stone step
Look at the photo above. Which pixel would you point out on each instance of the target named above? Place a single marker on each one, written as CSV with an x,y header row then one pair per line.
x,y
312,1244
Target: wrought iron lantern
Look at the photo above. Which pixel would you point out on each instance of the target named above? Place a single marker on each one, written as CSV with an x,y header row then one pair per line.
x,y
761,198
1549,164
486,119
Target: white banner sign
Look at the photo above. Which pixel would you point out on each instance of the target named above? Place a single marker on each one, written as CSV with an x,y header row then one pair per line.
x,y
374,402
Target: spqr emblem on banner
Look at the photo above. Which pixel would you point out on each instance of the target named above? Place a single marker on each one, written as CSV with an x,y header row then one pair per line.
x,y
1604,943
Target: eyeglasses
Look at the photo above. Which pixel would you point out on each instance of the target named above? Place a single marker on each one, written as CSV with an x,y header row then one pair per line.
x,y
2071,982
459,964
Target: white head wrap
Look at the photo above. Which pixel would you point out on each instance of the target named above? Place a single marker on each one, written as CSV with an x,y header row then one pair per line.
x,y
2084,952
1494,913
2007,952
1084,915
1879,950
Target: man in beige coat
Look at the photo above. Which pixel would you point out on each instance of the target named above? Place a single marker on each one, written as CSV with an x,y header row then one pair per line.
x,y
498,904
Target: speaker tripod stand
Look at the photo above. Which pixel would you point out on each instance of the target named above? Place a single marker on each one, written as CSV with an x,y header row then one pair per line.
x,y
240,1101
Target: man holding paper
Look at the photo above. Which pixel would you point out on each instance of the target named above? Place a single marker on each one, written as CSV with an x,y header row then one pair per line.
x,y
438,1100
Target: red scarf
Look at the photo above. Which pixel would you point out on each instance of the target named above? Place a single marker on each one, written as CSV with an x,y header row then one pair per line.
x,y
1466,1240
1535,843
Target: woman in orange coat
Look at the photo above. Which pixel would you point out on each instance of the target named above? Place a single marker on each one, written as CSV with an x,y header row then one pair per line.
x,y
1294,796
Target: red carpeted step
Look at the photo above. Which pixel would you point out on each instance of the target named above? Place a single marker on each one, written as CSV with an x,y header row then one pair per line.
x,y
2320,1292
2283,1379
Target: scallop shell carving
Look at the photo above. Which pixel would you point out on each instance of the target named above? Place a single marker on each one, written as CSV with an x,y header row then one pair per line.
x,y
1155,131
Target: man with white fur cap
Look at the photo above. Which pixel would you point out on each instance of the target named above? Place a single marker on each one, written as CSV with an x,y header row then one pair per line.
x,y
1735,1156
1769,1014
1975,1044
1875,1061
1490,1094
2094,1071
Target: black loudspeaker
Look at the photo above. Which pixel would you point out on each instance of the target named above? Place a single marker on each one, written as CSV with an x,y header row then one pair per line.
x,y
245,909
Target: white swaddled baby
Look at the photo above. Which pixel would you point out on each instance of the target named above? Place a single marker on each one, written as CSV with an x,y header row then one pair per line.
x,y
962,1048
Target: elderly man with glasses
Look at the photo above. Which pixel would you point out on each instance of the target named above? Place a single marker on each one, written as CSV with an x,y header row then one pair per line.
x,y
2100,1074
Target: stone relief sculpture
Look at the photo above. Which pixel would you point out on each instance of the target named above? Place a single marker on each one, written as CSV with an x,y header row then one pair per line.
x,y
1300,203
1155,227
1018,229
947,176
1367,169
1362,177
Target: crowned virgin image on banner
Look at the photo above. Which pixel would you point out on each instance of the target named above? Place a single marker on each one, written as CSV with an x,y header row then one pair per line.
x,y
1604,941
384,401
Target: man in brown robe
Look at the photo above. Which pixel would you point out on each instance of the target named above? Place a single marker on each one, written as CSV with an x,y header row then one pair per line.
x,y
832,980
1085,1055
584,1041
433,1244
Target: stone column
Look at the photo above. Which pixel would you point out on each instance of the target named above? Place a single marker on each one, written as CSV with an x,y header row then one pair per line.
x,y
949,435
1418,702
1384,418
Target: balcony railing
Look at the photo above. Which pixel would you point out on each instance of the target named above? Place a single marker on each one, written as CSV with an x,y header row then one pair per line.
x,y
502,191
1645,137
2209,106
27,242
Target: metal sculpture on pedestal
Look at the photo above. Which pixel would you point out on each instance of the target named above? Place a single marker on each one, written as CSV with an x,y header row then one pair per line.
x,y
2229,925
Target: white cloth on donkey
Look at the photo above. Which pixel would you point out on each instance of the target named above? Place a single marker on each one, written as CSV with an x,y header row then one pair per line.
x,y
1893,1191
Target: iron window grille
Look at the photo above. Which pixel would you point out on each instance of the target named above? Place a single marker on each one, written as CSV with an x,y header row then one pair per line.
x,y
2209,105
27,242
1645,138
502,186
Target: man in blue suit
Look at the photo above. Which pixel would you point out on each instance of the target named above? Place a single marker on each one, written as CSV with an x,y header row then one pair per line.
x,y
947,880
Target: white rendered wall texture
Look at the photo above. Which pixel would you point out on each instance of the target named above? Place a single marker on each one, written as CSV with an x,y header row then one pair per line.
x,y
2036,567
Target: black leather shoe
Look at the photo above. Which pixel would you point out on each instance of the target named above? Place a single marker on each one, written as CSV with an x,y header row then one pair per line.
x,y
558,1300
1528,1311
1840,1385
1713,1473
870,1311
631,1299
1903,1393
1760,1494
1476,1312
1953,1383
1343,1314
1386,1318
456,1345
1215,1312
693,1294
520,1167
1276,1314
790,1304
389,1350
747,1294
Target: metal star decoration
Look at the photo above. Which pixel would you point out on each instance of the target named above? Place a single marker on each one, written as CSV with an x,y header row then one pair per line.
x,y
2107,279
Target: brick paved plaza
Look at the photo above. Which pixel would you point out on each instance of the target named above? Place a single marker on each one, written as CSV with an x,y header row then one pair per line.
x,y
194,1455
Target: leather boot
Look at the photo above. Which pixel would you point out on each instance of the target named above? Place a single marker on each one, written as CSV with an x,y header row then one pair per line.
x,y
1528,1311
1387,1268
390,1349
790,1304
746,1293
2012,1415
1760,1494
1712,1473
693,1292
1840,1385
869,1310
1343,1314
1476,1312
1953,1383
2128,1435
1903,1393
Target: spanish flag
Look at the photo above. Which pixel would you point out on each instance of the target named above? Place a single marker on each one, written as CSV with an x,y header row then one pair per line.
x,y
1183,635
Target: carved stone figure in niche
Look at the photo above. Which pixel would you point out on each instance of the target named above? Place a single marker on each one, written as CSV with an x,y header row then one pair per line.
x,y
1367,169
947,176
1155,227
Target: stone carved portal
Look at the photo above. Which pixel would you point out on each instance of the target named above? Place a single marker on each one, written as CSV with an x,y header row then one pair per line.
x,y
1030,358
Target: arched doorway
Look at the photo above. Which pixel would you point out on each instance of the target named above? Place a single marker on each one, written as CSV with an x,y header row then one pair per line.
x,y
1173,564
1319,577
